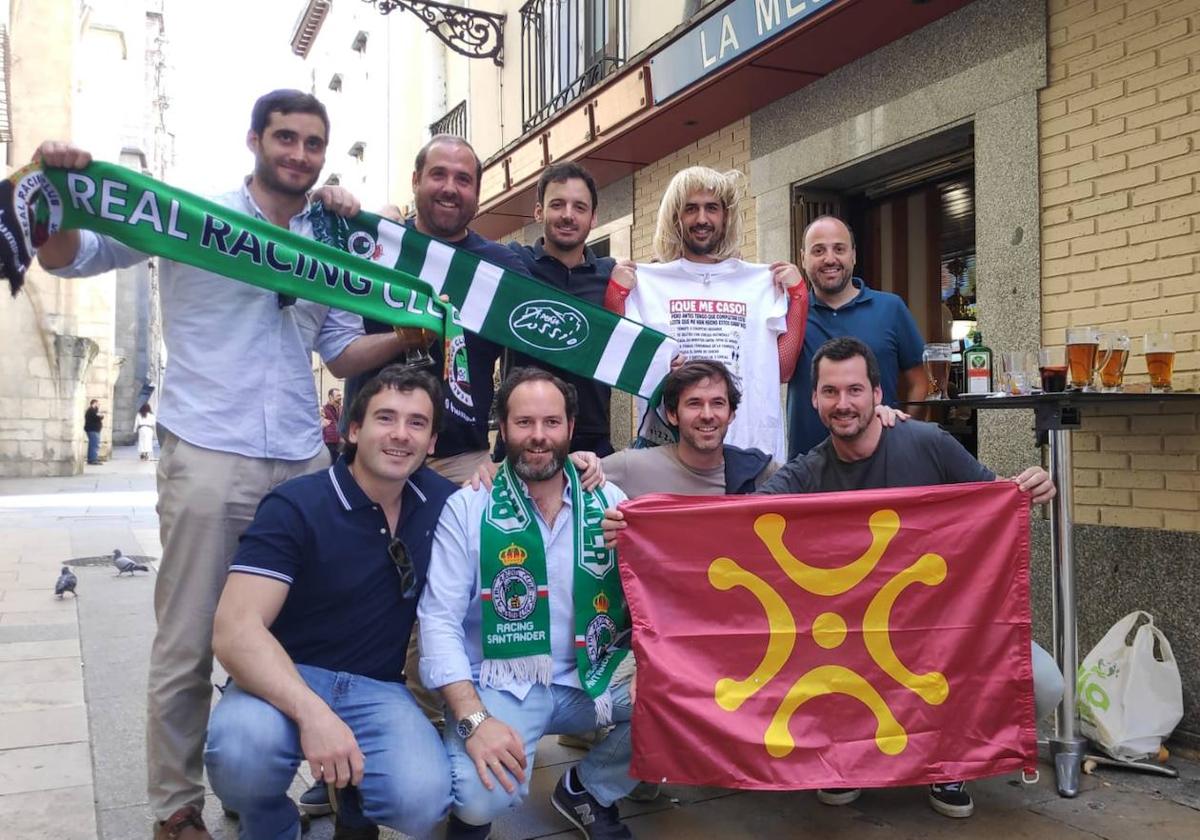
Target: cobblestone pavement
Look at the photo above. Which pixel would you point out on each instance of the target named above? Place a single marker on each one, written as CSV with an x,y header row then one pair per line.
x,y
72,713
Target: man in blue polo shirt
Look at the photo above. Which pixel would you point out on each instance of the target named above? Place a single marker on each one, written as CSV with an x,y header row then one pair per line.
x,y
843,305
314,622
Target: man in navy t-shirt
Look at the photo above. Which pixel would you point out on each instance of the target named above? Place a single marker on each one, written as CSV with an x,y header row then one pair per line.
x,y
314,622
445,182
843,305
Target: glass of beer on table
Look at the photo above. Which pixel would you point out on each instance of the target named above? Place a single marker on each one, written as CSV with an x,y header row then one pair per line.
x,y
1160,360
1114,346
1083,356
1052,366
937,368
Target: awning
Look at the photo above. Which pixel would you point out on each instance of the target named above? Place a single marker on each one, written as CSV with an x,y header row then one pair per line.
x,y
742,56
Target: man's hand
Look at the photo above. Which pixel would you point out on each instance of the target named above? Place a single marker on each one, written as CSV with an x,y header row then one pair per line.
x,y
60,153
338,199
494,747
888,415
677,362
624,274
591,474
483,476
633,688
785,275
331,751
1036,482
613,524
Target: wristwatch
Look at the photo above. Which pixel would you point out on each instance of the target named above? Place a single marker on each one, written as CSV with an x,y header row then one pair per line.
x,y
467,726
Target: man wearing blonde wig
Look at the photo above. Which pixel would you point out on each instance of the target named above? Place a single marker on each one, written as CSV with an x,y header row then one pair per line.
x,y
748,316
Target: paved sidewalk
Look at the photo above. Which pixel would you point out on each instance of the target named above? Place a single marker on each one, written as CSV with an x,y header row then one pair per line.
x,y
72,714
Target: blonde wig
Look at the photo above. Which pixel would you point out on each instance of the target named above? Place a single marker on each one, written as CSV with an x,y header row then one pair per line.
x,y
728,187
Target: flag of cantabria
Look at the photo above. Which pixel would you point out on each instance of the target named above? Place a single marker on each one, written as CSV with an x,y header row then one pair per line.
x,y
836,640
514,310
381,270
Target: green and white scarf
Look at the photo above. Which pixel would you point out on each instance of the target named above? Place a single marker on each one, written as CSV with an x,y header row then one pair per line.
x,y
516,592
380,269
517,311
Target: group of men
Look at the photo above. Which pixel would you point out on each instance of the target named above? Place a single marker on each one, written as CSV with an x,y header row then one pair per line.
x,y
311,581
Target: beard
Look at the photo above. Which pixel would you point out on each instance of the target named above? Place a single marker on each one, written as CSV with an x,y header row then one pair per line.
x,y
850,433
702,250
577,238
537,472
264,173
441,221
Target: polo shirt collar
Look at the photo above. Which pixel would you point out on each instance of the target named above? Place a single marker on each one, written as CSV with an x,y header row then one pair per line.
x,y
539,253
352,496
254,210
865,294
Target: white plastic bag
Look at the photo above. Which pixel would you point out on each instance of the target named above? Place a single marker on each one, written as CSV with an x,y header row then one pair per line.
x,y
1129,700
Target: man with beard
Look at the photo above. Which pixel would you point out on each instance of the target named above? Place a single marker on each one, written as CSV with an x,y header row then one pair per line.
x,y
844,305
232,429
313,624
524,625
700,399
445,182
566,208
748,316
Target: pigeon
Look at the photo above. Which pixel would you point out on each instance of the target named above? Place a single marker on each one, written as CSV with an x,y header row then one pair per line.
x,y
124,564
66,583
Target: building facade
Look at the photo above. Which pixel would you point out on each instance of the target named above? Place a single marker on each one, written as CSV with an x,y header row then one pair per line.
x,y
72,67
1030,165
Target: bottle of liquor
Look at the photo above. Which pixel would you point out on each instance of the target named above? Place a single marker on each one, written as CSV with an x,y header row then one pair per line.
x,y
977,360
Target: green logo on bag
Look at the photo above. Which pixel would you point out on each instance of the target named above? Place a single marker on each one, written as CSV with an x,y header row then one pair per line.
x,y
549,325
1088,688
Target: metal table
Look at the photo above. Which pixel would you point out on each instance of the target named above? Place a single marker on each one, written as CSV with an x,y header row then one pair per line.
x,y
1057,414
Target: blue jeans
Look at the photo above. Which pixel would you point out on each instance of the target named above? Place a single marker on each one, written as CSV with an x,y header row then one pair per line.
x,y
93,447
546,710
253,751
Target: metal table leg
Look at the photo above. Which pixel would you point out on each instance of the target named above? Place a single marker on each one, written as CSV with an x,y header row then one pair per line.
x,y
1066,747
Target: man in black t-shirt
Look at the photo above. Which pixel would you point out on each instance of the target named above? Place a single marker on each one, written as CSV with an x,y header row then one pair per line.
x,y
566,207
861,454
93,423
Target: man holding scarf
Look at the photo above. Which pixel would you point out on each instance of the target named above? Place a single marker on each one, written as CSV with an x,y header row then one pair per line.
x,y
522,622
237,412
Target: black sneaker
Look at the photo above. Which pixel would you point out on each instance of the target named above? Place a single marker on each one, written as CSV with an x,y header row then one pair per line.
x,y
315,800
589,816
838,796
456,829
951,799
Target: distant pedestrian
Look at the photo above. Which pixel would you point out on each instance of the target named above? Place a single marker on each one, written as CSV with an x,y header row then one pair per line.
x,y
93,422
331,416
144,424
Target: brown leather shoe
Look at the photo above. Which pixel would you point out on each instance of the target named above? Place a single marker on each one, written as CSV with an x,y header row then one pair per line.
x,y
184,824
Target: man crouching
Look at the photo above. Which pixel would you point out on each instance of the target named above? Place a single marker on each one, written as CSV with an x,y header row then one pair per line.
x,y
313,625
524,627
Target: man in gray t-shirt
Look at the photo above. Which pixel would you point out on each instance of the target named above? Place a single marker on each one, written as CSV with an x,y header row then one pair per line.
x,y
700,399
860,454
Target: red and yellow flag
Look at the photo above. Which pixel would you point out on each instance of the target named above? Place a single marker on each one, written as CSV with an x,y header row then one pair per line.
x,y
865,639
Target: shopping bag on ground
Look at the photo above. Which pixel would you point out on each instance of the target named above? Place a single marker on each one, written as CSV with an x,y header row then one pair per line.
x,y
1129,693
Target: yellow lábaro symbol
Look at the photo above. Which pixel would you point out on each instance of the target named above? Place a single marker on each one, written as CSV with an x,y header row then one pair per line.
x,y
829,632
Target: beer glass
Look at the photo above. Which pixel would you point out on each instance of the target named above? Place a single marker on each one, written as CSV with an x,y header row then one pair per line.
x,y
1052,366
1016,377
1115,348
937,368
1083,344
1160,360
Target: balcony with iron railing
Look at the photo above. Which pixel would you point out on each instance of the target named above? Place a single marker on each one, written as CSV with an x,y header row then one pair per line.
x,y
567,47
454,122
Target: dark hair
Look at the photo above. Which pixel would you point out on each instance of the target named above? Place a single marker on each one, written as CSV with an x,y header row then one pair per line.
x,y
397,378
826,218
285,101
693,372
331,390
521,375
842,349
144,410
560,173
454,139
